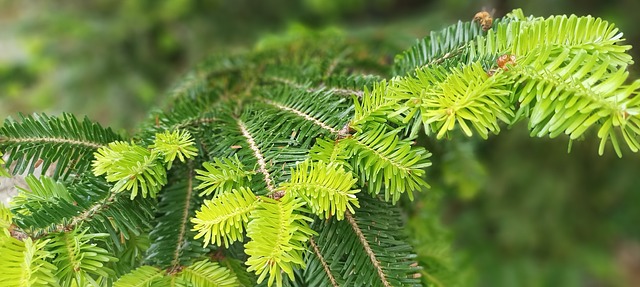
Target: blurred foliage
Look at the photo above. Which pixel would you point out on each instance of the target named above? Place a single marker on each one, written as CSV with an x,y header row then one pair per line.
x,y
511,211
538,216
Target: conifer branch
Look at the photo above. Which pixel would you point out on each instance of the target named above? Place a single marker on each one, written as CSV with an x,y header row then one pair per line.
x,y
64,142
292,84
222,175
444,57
208,274
347,92
26,262
325,266
367,248
53,140
76,220
262,164
338,91
391,161
311,146
185,217
80,259
141,276
303,115
332,66
188,83
194,122
223,219
335,62
171,235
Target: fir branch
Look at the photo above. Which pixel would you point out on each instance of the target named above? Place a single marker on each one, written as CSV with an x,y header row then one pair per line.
x,y
72,222
143,276
262,164
41,140
302,115
89,202
194,122
347,92
444,97
3,170
325,266
178,143
198,80
185,217
205,273
278,232
131,167
332,66
306,88
342,247
223,219
53,140
330,151
25,263
173,245
399,165
376,106
325,187
238,270
222,175
437,47
367,248
81,262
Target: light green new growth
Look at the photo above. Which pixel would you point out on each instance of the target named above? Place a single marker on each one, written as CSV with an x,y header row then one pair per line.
x,y
326,188
80,262
138,169
224,218
131,167
203,273
222,175
568,74
278,232
40,191
3,171
25,262
170,145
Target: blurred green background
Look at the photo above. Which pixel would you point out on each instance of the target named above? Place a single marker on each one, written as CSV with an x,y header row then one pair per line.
x,y
510,211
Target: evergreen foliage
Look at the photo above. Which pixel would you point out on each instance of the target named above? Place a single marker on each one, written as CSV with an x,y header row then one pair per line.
x,y
281,140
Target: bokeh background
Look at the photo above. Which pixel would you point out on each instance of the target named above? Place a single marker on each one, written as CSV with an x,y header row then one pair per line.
x,y
510,211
